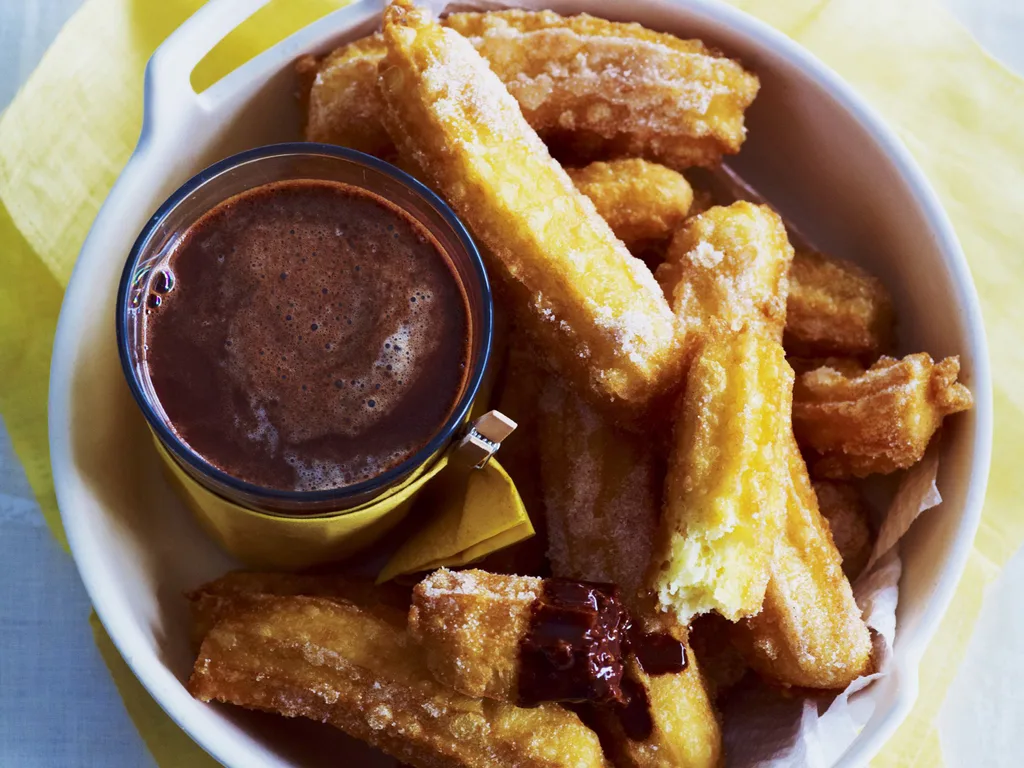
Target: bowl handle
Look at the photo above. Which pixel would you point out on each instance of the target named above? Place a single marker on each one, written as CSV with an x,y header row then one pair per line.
x,y
170,68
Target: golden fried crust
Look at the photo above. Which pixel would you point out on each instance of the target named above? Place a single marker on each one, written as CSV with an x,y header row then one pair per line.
x,y
642,202
336,663
602,488
835,308
602,491
470,625
508,22
843,509
345,104
596,310
686,732
236,590
681,104
879,421
726,271
723,499
809,632
676,107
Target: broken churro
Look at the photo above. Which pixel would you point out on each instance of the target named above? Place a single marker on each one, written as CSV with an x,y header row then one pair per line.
x,y
723,498
878,421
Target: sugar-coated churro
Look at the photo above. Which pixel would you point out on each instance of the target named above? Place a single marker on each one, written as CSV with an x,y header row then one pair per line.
x,y
602,491
809,631
521,639
878,421
722,496
345,104
338,663
598,310
836,308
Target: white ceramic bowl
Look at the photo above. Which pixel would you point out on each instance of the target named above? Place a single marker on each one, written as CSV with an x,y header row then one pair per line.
x,y
815,149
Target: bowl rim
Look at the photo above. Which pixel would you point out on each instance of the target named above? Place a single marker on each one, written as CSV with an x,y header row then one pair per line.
x,y
167,689
482,338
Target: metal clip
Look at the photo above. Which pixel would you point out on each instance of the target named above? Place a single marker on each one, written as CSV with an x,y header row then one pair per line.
x,y
483,439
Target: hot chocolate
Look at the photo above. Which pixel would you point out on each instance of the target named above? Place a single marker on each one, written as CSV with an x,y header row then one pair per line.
x,y
307,335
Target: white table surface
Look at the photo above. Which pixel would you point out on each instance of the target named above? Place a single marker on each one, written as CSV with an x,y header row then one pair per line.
x,y
58,705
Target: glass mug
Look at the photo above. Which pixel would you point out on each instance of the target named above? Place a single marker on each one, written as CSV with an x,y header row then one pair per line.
x,y
270,526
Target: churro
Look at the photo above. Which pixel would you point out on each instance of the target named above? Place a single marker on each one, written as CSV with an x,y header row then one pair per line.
x,y
836,308
878,421
597,310
521,639
642,202
726,271
602,88
531,640
345,104
212,601
809,631
338,663
602,488
612,90
726,279
723,500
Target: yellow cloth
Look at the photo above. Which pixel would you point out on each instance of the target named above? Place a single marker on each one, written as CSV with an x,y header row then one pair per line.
x,y
69,132
470,513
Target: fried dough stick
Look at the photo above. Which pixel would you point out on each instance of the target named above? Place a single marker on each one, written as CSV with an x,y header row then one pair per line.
x,y
836,308
602,489
723,505
213,600
609,90
596,310
472,626
345,104
644,203
843,509
878,421
809,632
723,502
341,664
681,104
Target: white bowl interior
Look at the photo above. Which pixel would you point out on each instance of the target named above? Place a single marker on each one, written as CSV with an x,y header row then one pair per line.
x,y
811,150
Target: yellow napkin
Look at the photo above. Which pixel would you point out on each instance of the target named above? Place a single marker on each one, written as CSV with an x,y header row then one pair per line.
x,y
69,132
471,513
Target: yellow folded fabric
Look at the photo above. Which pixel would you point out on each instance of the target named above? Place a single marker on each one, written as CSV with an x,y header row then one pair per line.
x,y
470,513
69,132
